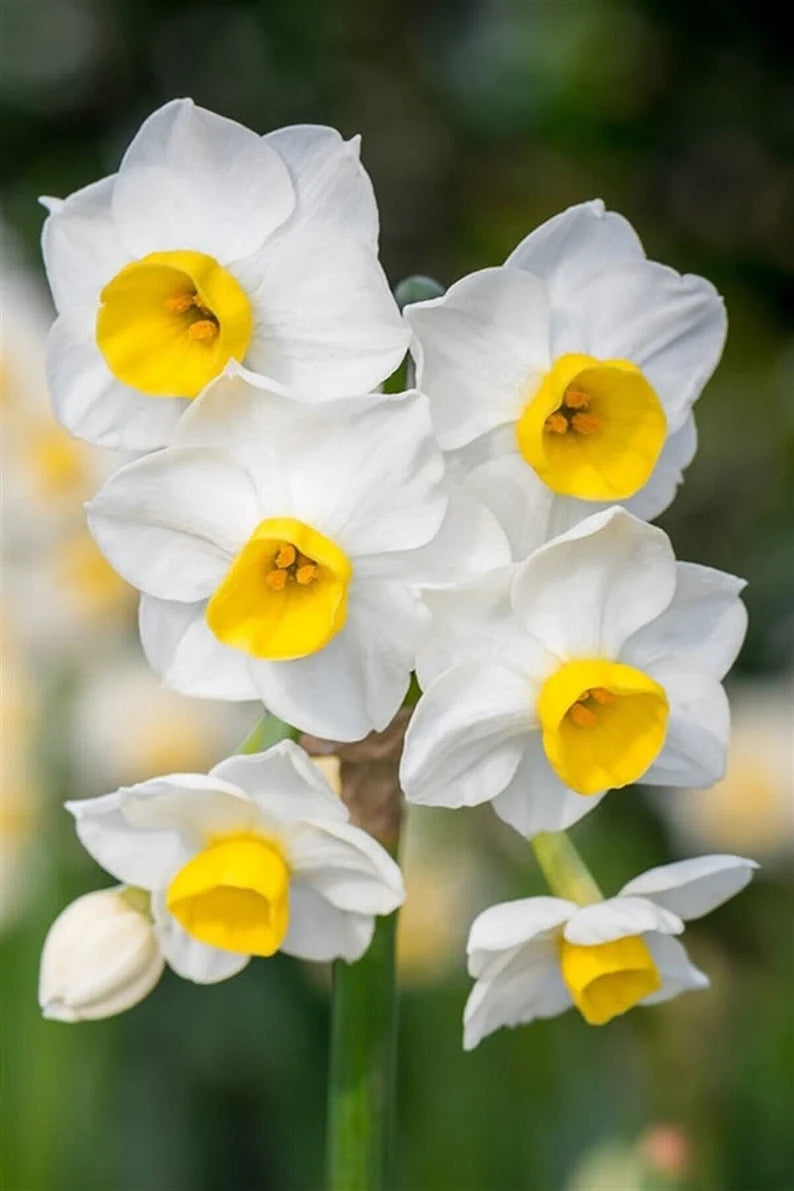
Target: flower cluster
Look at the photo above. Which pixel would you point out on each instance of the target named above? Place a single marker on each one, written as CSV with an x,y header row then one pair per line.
x,y
301,539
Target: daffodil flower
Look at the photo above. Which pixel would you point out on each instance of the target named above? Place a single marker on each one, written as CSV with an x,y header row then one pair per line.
x,y
594,664
539,956
281,547
211,244
564,380
256,857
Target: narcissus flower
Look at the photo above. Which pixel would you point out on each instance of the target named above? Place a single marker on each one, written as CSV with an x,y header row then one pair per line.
x,y
280,547
571,371
537,957
254,858
101,956
211,244
593,665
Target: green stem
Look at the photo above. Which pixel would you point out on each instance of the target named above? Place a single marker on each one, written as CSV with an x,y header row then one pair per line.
x,y
361,1080
566,873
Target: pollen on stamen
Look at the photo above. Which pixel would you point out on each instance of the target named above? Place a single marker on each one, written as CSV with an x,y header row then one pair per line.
x,y
179,303
557,423
306,573
576,399
582,716
602,695
286,556
586,423
203,328
276,580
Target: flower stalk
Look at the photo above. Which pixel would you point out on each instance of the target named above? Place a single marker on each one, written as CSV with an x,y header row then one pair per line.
x,y
566,873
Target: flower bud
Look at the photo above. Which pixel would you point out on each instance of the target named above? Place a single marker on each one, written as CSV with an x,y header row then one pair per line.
x,y
101,956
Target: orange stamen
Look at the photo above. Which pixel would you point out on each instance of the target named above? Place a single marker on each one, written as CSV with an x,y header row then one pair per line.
x,y
586,423
576,399
204,328
582,716
286,555
602,695
557,423
306,573
276,580
179,303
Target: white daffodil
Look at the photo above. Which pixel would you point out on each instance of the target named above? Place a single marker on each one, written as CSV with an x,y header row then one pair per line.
x,y
101,956
256,857
280,547
210,244
537,957
571,370
593,665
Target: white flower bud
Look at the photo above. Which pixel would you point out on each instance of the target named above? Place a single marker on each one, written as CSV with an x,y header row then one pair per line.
x,y
101,956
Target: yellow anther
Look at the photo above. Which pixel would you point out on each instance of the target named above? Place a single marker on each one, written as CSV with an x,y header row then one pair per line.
x,y
602,695
576,399
582,716
557,423
586,423
276,580
306,574
204,328
179,303
286,556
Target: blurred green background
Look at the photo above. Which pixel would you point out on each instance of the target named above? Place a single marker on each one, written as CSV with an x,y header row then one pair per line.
x,y
480,118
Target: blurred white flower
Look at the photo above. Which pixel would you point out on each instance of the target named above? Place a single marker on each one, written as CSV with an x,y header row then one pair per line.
x,y
752,808
101,956
211,244
537,957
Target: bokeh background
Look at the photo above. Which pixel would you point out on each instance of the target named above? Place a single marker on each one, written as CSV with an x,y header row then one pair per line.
x,y
480,118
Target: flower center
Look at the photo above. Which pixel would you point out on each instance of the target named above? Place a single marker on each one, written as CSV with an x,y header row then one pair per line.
x,y
170,322
285,595
603,724
606,979
235,895
594,429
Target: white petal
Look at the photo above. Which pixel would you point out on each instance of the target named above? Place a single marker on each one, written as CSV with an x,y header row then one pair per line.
x,y
617,918
132,856
704,625
365,471
513,924
188,657
536,800
332,186
672,327
466,736
587,591
692,888
575,245
284,783
356,684
196,806
477,349
192,179
678,973
325,321
528,987
475,622
346,865
172,522
698,726
90,402
668,475
469,543
320,931
522,504
81,246
189,958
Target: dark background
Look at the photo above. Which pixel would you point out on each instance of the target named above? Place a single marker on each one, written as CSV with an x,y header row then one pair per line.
x,y
480,118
